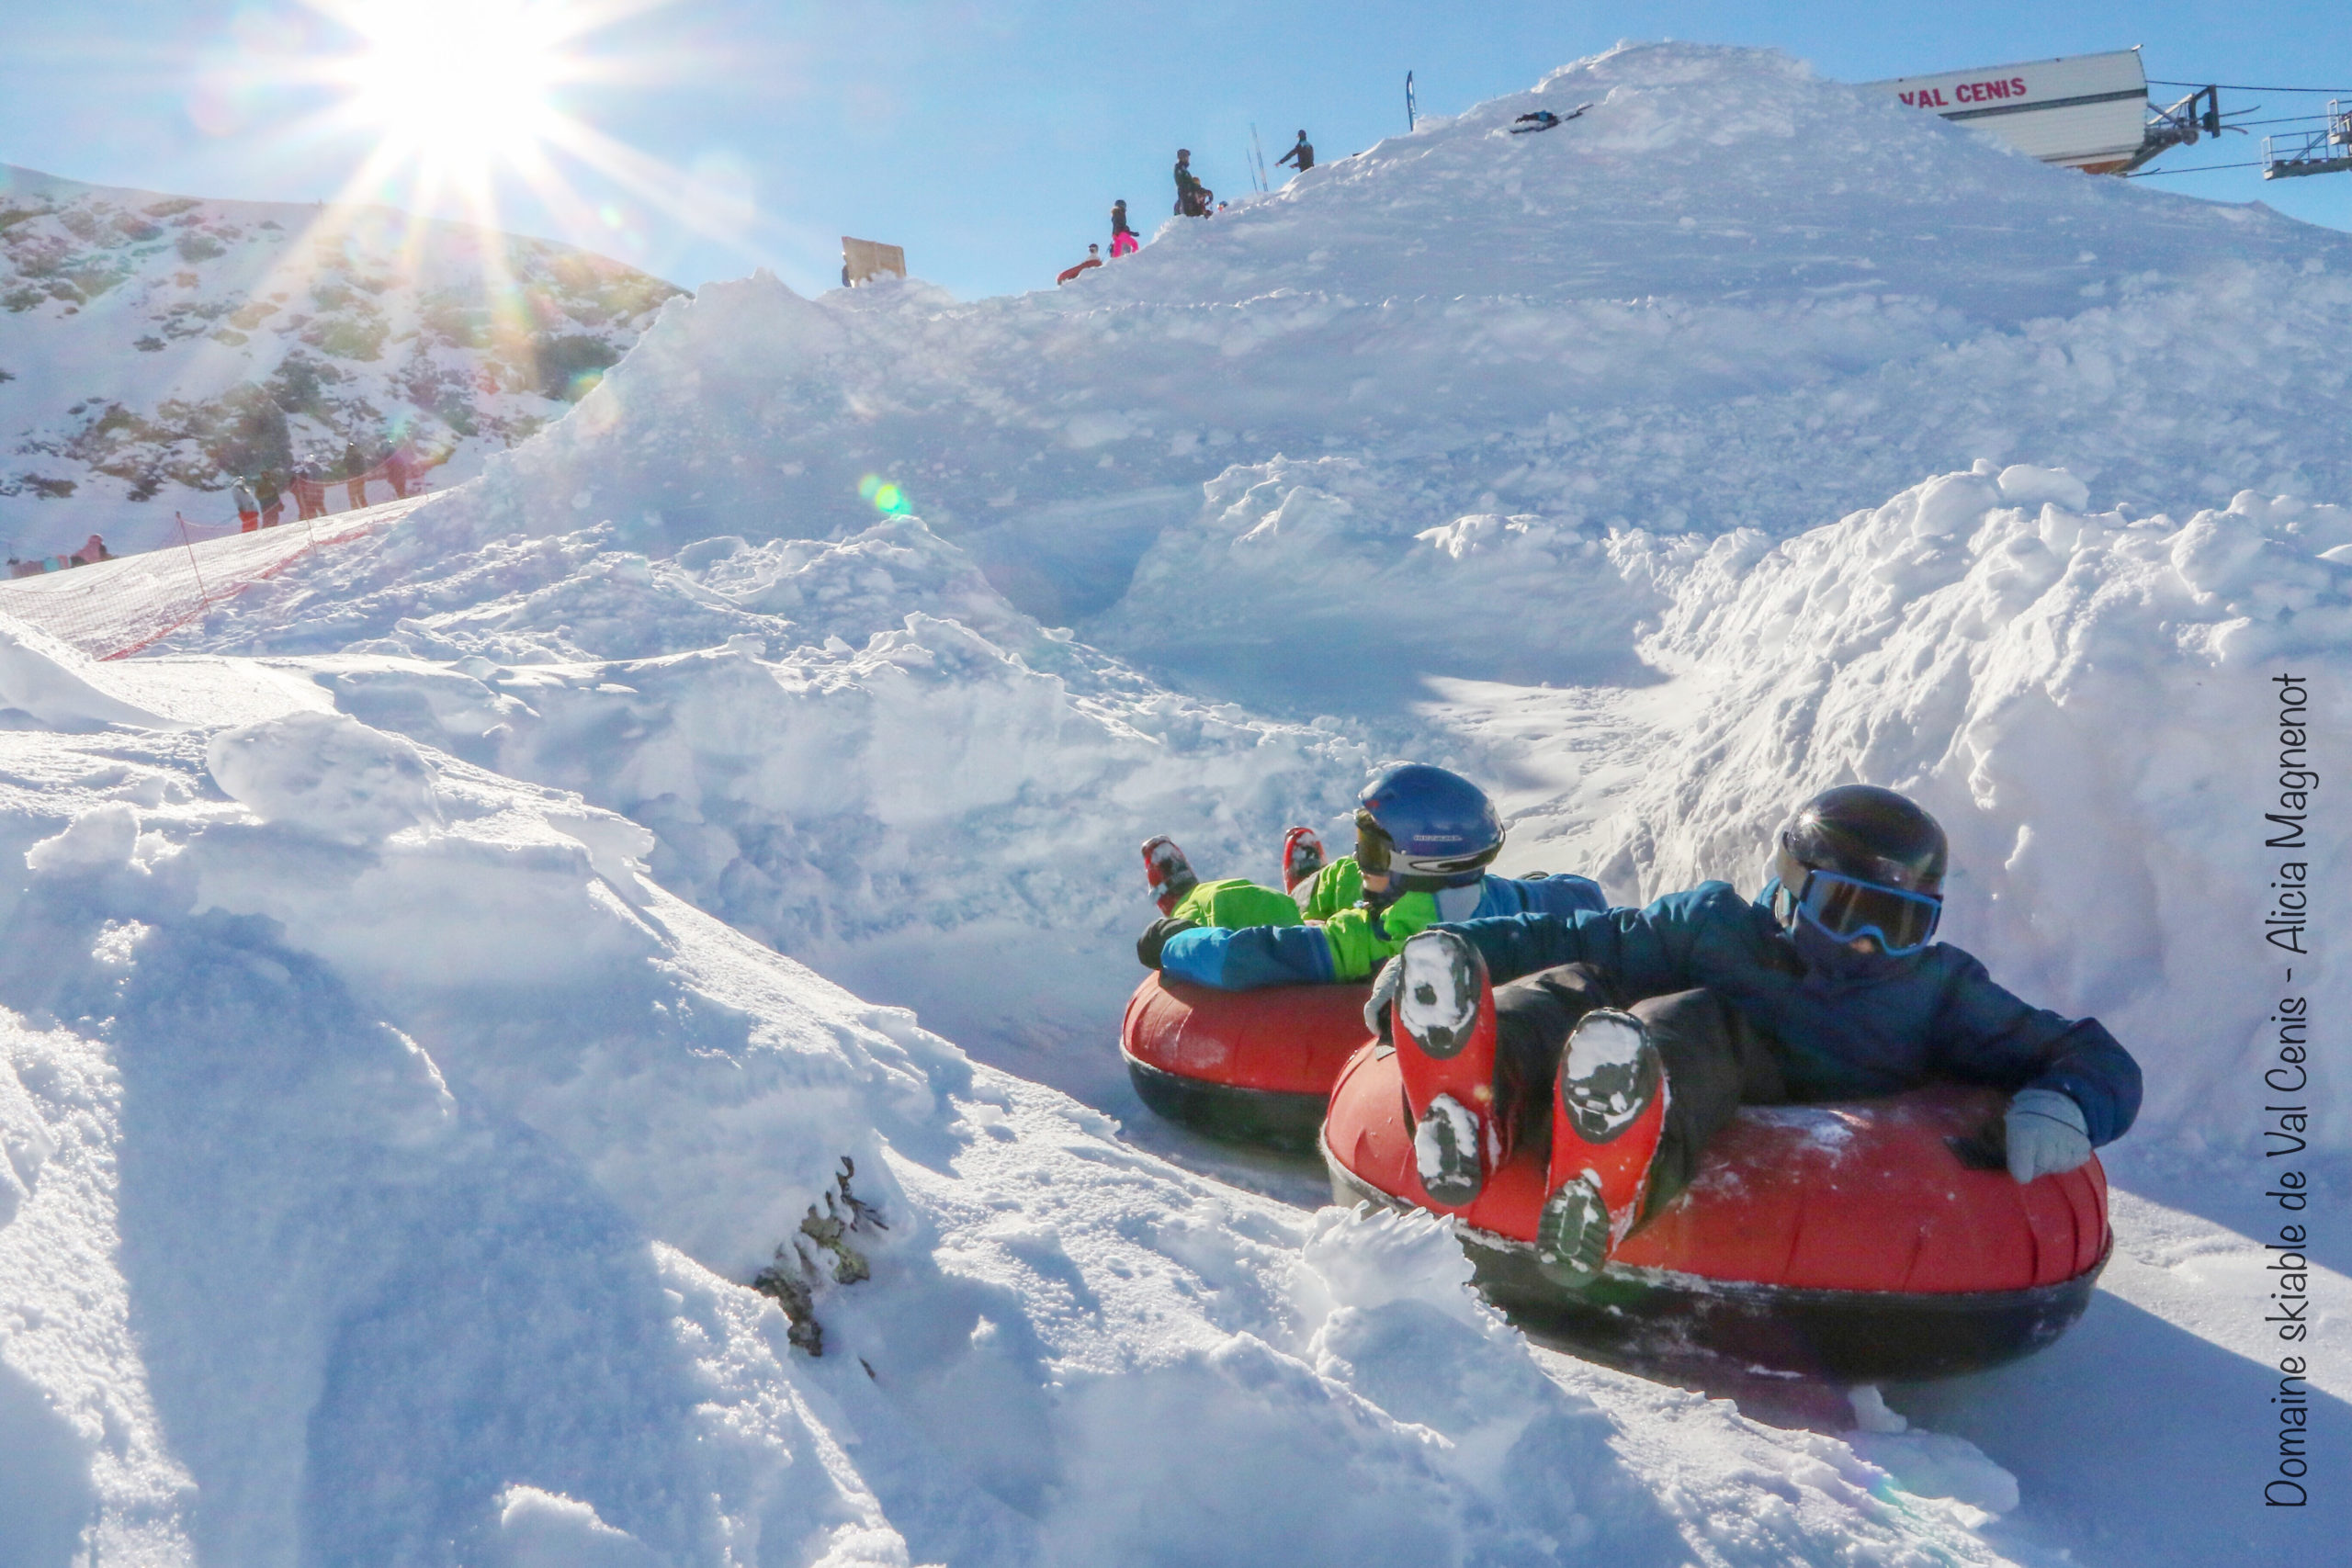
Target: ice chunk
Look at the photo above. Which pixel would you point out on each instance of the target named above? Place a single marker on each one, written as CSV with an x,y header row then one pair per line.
x,y
2022,484
92,842
326,774
546,1530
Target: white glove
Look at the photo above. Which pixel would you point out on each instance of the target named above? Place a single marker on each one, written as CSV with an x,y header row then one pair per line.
x,y
2046,1134
1384,987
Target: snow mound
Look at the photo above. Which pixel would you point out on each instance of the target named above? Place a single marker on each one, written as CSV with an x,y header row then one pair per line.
x,y
2066,687
2083,699
398,1194
44,682
1730,295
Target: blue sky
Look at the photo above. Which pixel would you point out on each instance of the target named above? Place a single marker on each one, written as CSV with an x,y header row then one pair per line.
x,y
991,138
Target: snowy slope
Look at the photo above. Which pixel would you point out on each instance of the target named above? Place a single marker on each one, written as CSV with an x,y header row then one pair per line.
x,y
155,349
409,1070
382,1146
1731,294
1337,585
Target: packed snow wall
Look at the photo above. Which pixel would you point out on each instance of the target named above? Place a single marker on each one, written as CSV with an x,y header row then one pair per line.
x,y
2088,701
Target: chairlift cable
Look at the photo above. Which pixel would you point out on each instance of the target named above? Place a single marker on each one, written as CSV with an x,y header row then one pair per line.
x,y
2197,170
2242,87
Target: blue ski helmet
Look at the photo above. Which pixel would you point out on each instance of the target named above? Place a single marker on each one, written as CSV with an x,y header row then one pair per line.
x,y
1432,827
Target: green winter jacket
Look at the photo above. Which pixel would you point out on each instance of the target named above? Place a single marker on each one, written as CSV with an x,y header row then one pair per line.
x,y
1248,936
1359,941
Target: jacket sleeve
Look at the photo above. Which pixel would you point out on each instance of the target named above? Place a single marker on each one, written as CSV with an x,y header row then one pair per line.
x,y
1245,959
1359,941
1646,951
1985,1034
1564,894
1338,886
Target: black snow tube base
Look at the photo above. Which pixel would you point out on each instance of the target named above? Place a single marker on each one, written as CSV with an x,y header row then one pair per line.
x,y
1230,1113
1653,1318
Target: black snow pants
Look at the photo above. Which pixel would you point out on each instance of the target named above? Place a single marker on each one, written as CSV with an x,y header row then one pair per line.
x,y
1715,1062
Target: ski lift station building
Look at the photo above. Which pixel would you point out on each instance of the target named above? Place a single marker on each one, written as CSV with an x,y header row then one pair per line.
x,y
2085,111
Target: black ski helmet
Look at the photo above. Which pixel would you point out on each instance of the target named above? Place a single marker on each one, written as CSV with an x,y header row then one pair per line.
x,y
1184,153
1867,833
1857,861
1431,827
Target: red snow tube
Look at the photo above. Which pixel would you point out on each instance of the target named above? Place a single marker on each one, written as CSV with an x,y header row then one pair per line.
x,y
1250,1066
1844,1241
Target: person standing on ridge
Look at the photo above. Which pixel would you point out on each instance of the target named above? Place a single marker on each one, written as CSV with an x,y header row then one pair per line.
x,y
1302,155
1193,199
1122,239
310,491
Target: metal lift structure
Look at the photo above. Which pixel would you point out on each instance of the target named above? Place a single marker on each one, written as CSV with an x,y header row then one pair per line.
x,y
2327,151
2090,112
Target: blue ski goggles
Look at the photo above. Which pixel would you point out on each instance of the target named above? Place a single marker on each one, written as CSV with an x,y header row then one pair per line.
x,y
1848,908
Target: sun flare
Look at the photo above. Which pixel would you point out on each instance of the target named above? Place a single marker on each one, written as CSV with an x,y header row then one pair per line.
x,y
460,86
463,104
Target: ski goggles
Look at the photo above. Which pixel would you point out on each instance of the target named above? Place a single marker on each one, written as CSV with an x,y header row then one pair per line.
x,y
1376,855
1850,908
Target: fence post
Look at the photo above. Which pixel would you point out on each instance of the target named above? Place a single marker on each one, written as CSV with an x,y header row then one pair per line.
x,y
203,594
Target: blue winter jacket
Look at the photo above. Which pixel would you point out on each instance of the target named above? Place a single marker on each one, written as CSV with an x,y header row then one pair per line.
x,y
1293,955
1934,1015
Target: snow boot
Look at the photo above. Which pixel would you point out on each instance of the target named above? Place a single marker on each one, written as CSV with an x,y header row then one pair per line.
x,y
1607,1113
1444,1024
1302,858
1166,870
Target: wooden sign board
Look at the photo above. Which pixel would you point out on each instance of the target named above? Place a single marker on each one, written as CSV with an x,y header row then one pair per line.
x,y
864,260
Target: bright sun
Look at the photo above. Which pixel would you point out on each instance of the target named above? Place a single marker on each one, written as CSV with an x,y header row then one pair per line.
x,y
459,87
462,101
